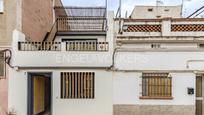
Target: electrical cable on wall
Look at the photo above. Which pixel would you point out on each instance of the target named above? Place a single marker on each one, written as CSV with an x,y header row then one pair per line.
x,y
7,57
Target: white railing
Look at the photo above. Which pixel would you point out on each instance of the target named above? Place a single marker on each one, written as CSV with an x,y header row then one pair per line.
x,y
69,46
39,46
86,46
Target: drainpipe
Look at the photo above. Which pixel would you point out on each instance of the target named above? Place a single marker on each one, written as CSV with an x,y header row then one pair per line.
x,y
112,67
8,58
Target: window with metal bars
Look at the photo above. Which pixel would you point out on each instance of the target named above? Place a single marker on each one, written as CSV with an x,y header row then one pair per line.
x,y
156,85
77,85
2,65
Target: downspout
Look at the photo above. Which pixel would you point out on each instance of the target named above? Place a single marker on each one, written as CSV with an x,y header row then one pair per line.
x,y
112,67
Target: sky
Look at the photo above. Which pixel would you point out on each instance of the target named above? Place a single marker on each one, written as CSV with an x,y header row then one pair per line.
x,y
127,5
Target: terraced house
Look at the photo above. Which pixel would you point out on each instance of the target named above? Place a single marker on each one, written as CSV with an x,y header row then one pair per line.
x,y
67,73
93,63
163,71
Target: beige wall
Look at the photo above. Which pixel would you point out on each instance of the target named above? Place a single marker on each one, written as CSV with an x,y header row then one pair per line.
x,y
37,18
154,110
142,12
7,22
58,3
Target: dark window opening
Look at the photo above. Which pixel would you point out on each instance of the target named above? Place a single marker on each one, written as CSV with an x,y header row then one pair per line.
x,y
150,10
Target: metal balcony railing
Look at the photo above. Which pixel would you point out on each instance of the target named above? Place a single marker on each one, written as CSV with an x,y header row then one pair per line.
x,y
81,24
81,19
39,46
69,46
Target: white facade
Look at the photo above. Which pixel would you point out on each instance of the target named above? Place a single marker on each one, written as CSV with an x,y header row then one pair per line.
x,y
127,89
55,62
100,105
118,71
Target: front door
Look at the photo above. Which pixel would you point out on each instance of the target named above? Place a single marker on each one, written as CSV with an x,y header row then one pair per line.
x,y
199,95
39,94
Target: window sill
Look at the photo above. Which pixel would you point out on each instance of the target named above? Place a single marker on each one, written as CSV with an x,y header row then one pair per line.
x,y
156,97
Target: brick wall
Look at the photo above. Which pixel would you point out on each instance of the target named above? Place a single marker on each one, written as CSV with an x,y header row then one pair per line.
x,y
154,110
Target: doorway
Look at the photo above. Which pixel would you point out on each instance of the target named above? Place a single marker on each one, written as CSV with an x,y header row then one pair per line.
x,y
199,95
39,93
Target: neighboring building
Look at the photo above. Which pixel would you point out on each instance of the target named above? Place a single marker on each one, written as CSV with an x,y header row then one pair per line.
x,y
159,66
34,18
152,12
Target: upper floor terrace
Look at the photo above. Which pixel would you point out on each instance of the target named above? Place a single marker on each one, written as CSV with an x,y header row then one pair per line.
x,y
78,21
162,30
80,37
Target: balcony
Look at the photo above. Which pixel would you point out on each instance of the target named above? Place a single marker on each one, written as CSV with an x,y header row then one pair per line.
x,y
163,27
73,54
39,46
62,50
57,46
86,46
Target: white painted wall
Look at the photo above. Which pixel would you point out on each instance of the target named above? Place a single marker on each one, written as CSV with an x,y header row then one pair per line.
x,y
101,105
99,38
162,46
147,60
127,89
62,59
65,58
17,94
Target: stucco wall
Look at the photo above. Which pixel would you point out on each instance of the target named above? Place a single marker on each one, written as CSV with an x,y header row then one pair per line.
x,y
141,12
3,95
101,105
127,89
160,60
37,18
8,21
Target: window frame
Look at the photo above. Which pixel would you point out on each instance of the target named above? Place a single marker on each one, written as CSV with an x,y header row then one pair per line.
x,y
157,96
78,89
4,66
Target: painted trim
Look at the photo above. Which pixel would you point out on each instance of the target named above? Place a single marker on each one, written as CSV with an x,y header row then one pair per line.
x,y
156,97
23,68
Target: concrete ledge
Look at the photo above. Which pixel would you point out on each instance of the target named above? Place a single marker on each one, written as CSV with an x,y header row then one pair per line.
x,y
154,110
